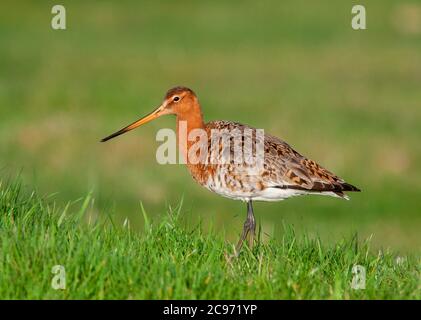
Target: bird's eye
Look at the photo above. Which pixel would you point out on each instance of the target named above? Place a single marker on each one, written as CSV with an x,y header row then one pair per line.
x,y
176,98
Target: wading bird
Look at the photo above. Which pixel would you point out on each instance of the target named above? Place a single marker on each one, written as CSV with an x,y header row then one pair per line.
x,y
285,173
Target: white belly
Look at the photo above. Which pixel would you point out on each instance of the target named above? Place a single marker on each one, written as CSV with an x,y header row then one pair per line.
x,y
267,194
276,194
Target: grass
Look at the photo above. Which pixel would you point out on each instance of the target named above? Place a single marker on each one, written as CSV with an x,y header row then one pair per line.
x,y
172,260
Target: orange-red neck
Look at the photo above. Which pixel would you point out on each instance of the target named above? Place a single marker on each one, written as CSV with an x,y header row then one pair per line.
x,y
186,123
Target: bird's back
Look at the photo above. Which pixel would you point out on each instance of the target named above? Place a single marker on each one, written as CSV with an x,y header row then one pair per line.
x,y
283,172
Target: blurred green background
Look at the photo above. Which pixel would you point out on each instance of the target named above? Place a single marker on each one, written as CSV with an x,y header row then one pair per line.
x,y
350,100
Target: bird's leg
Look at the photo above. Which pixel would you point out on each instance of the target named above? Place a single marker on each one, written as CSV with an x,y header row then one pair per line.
x,y
252,223
249,225
242,238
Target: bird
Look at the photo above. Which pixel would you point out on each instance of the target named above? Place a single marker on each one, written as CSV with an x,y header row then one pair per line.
x,y
283,172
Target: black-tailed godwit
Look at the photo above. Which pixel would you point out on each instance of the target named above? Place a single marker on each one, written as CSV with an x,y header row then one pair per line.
x,y
284,172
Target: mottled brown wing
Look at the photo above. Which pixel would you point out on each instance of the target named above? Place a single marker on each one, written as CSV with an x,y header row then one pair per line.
x,y
297,172
285,168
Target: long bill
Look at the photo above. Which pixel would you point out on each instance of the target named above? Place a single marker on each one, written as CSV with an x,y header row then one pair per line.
x,y
153,115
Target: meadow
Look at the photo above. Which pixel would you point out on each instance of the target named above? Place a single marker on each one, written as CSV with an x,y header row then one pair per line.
x,y
348,99
173,259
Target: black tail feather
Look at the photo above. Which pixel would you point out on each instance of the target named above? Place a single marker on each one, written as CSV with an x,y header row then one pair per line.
x,y
324,187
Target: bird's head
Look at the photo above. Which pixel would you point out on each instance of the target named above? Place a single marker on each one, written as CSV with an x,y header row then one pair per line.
x,y
178,101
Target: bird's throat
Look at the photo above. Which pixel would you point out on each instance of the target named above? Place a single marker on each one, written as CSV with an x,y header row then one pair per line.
x,y
188,125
